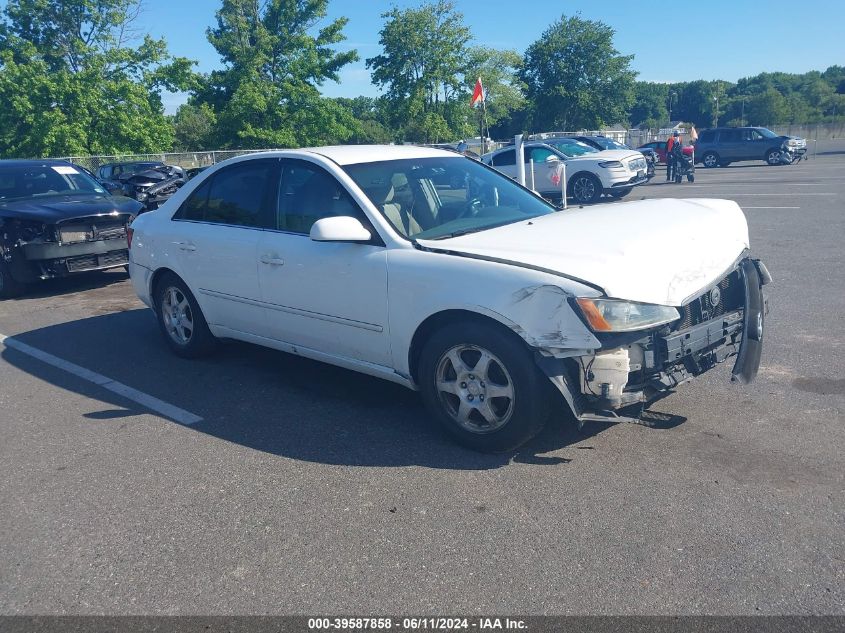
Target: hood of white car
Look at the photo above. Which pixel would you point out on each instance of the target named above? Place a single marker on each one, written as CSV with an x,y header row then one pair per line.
x,y
614,154
652,251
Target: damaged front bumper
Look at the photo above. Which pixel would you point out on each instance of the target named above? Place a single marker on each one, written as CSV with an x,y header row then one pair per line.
x,y
617,381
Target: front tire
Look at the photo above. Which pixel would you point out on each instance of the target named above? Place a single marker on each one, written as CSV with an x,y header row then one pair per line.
x,y
585,188
481,384
710,160
773,157
180,319
9,287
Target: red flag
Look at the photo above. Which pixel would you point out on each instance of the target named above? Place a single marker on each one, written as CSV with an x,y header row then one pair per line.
x,y
478,93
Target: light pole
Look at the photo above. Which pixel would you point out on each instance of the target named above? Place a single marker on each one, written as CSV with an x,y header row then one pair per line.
x,y
716,111
742,118
672,95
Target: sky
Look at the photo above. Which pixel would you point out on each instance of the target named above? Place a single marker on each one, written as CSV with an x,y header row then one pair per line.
x,y
670,41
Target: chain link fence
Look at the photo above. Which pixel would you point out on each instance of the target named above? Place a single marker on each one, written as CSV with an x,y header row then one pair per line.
x,y
186,160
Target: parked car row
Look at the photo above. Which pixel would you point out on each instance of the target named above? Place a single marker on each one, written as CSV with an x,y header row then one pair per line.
x,y
719,147
590,172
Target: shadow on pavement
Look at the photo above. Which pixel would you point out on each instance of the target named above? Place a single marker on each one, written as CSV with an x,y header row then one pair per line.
x,y
75,283
270,401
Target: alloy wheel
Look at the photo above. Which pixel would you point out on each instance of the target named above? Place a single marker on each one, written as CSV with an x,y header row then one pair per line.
x,y
475,388
584,189
177,315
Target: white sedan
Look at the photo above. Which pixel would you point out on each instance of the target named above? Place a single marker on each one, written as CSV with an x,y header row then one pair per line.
x,y
436,272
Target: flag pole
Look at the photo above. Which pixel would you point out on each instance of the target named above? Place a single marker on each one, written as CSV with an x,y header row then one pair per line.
x,y
483,122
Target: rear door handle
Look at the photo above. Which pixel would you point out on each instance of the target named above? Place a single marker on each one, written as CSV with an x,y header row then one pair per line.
x,y
186,246
272,261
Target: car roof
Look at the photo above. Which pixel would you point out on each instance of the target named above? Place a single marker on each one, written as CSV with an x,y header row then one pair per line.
x,y
31,162
354,154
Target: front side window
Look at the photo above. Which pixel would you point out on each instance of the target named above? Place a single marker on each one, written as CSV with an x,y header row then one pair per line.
x,y
308,193
539,155
766,133
572,147
504,159
707,136
437,198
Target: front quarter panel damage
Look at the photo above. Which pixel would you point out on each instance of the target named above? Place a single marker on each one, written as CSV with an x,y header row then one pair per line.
x,y
545,319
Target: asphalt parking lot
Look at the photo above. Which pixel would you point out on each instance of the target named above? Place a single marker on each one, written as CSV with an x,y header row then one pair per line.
x,y
309,489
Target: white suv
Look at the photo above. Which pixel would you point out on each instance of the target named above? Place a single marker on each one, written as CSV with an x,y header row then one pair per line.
x,y
589,172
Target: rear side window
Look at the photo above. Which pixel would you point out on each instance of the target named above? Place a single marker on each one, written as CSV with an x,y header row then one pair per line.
x,y
730,136
237,195
194,207
708,136
504,159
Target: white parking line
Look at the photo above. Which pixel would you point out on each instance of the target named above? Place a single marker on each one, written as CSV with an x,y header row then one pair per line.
x,y
771,207
154,404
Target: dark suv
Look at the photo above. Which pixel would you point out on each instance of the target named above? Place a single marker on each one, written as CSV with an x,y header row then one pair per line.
x,y
722,146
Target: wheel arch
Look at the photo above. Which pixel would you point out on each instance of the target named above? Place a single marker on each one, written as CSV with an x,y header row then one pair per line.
x,y
769,151
582,172
441,319
156,278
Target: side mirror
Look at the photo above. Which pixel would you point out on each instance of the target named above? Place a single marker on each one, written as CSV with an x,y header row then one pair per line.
x,y
339,229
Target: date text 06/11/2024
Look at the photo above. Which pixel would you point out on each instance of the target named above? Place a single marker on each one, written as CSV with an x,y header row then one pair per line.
x,y
415,624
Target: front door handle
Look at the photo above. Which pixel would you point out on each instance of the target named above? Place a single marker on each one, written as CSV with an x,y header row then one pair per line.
x,y
186,246
272,261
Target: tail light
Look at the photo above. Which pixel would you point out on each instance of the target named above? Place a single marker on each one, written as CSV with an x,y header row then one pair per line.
x,y
129,233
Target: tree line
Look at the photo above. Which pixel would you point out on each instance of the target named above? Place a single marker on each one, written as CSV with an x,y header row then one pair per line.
x,y
77,77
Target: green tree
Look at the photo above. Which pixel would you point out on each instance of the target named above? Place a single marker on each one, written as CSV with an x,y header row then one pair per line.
x,y
504,92
194,127
651,101
75,78
767,108
575,78
276,54
370,120
421,69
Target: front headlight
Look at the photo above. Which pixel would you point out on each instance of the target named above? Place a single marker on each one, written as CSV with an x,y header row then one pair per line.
x,y
609,164
614,315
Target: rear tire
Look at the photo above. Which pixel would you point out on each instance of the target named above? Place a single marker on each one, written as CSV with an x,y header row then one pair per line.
x,y
710,160
9,287
180,319
462,366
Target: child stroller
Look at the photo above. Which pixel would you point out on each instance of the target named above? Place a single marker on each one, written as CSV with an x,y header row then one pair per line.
x,y
682,165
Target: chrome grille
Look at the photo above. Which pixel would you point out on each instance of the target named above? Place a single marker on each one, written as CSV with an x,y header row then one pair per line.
x,y
97,262
92,229
730,296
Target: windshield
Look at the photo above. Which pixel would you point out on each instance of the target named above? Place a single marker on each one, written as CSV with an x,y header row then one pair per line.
x,y
436,198
30,181
767,133
609,143
570,146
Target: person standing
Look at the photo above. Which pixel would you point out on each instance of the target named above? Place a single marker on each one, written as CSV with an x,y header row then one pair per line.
x,y
670,161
